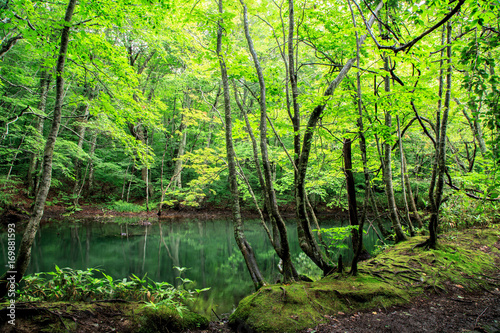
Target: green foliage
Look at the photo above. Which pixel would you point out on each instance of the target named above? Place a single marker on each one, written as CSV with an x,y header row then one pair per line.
x,y
123,206
307,267
458,212
8,188
66,284
338,236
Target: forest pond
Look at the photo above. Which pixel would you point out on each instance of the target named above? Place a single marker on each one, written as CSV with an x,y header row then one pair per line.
x,y
206,248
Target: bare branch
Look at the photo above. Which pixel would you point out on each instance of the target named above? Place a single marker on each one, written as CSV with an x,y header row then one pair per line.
x,y
407,46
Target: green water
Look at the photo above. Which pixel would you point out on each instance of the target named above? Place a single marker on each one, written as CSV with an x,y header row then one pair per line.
x,y
122,247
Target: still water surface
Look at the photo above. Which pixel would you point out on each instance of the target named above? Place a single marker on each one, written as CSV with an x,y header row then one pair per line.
x,y
126,246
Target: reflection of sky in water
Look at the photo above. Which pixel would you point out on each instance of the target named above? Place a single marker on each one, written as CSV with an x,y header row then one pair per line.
x,y
134,246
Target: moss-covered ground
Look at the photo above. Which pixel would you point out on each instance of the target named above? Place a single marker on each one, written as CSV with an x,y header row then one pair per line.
x,y
462,259
112,316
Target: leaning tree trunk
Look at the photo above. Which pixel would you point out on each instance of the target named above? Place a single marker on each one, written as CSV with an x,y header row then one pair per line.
x,y
266,213
24,253
245,248
387,167
289,272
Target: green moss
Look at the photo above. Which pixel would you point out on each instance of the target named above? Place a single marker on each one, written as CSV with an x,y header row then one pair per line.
x,y
394,277
168,319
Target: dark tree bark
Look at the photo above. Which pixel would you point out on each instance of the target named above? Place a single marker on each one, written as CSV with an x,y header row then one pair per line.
x,y
9,43
245,248
438,174
358,245
351,191
24,253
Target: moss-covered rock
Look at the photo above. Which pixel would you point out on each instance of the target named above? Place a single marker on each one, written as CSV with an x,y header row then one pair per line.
x,y
394,277
168,319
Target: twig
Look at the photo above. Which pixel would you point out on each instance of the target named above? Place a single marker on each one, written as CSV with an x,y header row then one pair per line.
x,y
477,319
216,315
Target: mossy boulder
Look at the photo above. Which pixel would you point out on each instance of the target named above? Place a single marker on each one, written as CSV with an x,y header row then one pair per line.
x,y
394,277
168,319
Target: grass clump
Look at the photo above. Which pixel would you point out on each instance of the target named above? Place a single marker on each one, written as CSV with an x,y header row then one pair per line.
x,y
123,206
167,318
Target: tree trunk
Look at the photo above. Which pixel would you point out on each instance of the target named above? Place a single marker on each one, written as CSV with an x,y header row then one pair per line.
x,y
34,157
24,253
180,153
387,167
402,160
306,239
266,214
411,198
358,248
289,272
351,191
436,191
80,131
91,164
245,248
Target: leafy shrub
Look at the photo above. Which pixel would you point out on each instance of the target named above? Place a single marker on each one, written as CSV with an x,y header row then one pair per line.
x,y
123,206
66,284
7,190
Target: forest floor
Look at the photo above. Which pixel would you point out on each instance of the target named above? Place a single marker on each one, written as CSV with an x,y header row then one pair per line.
x,y
451,312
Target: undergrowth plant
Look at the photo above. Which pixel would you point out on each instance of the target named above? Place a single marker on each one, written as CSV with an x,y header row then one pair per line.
x,y
336,238
123,206
66,284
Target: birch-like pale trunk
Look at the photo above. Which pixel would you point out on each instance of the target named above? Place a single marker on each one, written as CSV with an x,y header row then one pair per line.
x,y
24,252
239,235
289,272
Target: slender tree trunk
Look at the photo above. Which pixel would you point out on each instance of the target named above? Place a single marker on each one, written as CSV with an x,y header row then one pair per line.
x,y
34,156
402,159
387,167
80,130
239,235
436,191
289,272
91,163
413,205
351,192
266,215
362,146
180,153
24,254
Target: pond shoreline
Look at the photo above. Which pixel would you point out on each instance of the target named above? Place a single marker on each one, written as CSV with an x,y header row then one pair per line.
x,y
20,212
